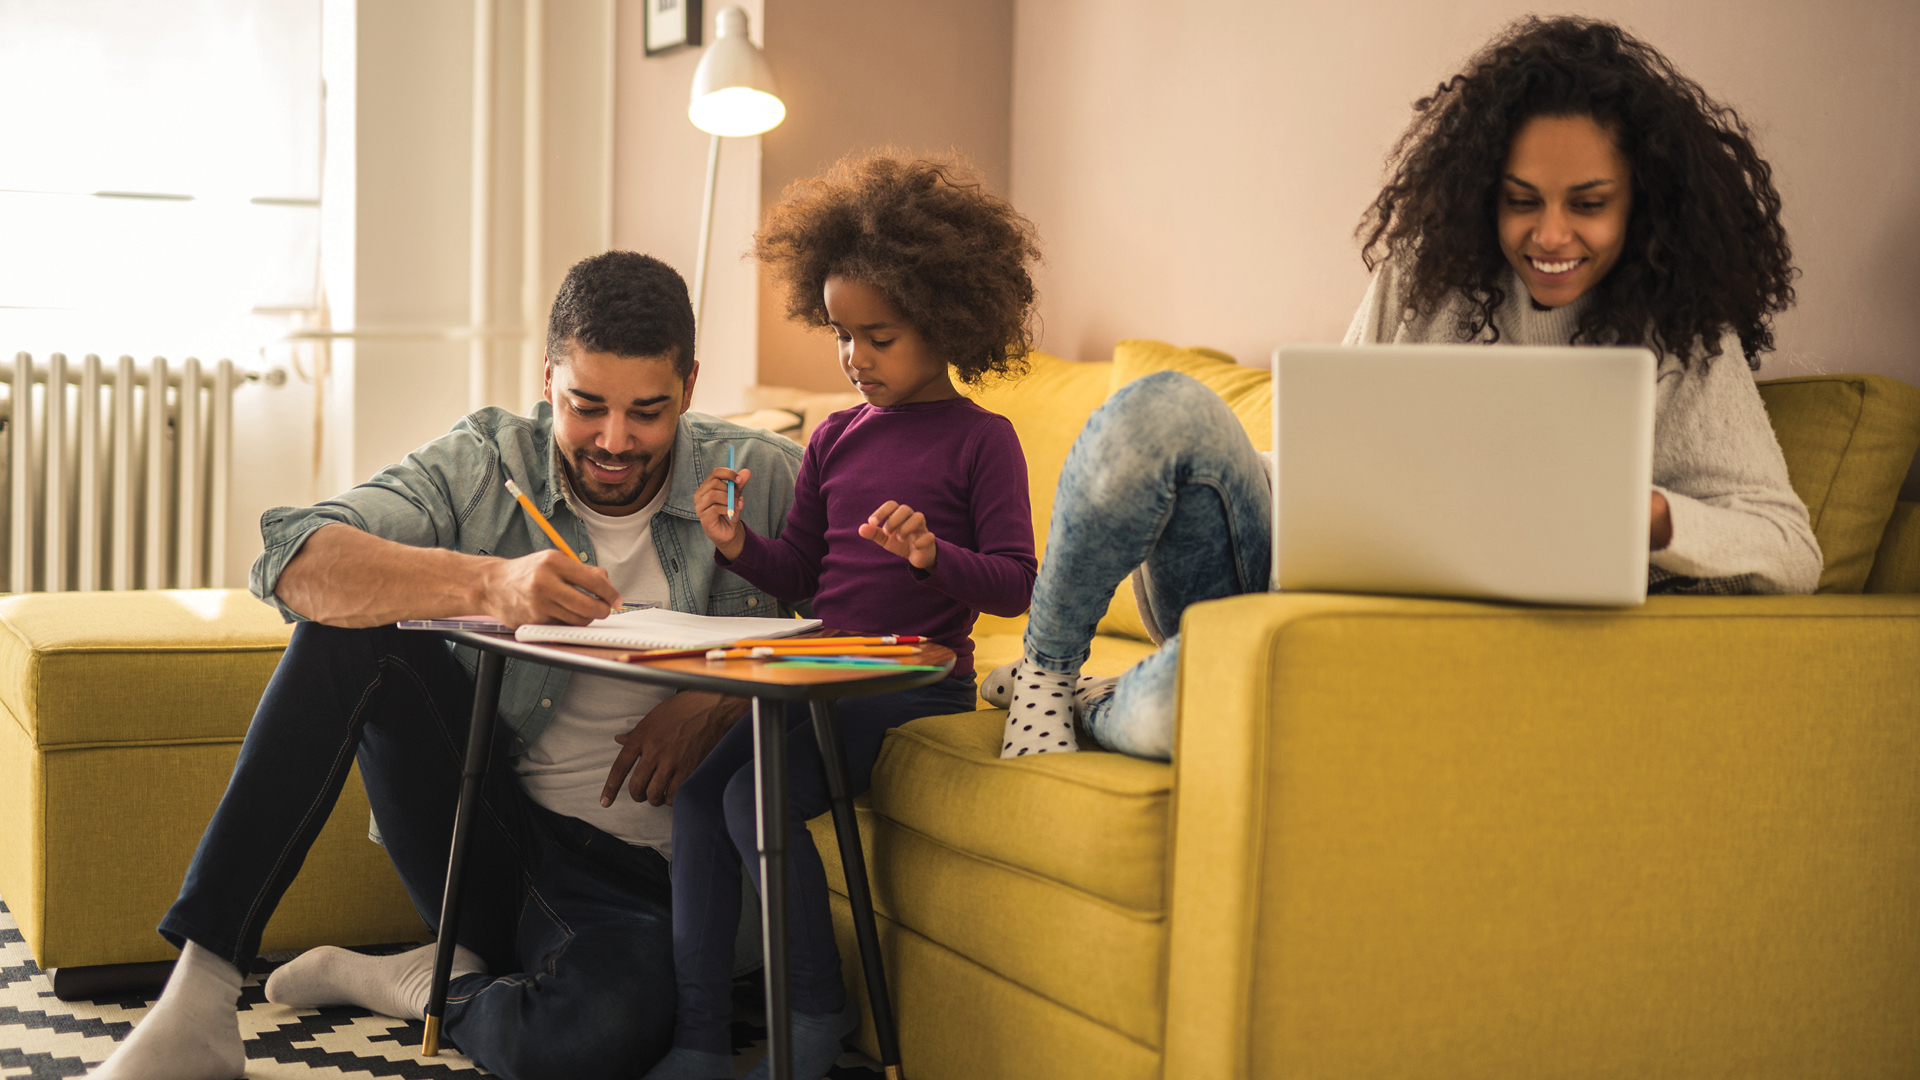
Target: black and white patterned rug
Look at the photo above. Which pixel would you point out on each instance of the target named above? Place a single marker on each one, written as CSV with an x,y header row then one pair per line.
x,y
44,1038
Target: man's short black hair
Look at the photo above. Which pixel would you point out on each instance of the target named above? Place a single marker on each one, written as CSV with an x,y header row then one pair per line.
x,y
624,303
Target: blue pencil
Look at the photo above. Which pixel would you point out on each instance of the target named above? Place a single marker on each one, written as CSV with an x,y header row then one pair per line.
x,y
729,483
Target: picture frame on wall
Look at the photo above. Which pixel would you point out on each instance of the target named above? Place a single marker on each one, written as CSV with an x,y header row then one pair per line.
x,y
671,24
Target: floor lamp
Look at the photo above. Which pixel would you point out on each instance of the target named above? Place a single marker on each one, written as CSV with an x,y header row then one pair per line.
x,y
733,96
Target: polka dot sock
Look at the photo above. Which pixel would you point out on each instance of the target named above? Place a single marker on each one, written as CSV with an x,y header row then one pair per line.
x,y
1039,713
997,688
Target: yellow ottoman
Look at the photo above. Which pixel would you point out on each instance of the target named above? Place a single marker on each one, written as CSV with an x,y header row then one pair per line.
x,y
124,714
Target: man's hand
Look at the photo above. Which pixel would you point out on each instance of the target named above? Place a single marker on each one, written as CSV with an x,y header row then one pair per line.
x,y
902,530
545,587
668,743
710,502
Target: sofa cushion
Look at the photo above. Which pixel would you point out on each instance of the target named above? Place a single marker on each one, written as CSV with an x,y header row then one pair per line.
x,y
1097,958
1096,822
1896,565
106,667
1848,441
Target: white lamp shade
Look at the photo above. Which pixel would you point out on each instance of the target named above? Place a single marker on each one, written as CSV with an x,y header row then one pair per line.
x,y
733,89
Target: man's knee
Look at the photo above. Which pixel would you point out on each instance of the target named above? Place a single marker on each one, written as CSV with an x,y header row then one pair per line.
x,y
609,1013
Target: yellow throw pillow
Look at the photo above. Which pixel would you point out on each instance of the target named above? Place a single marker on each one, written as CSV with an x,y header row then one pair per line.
x,y
1848,441
1247,391
1048,407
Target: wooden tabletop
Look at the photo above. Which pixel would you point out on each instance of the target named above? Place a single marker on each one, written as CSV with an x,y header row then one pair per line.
x,y
751,678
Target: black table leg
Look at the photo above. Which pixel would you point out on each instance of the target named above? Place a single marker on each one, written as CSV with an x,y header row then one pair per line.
x,y
486,705
770,791
833,755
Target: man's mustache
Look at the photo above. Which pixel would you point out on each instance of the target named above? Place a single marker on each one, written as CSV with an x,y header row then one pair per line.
x,y
615,459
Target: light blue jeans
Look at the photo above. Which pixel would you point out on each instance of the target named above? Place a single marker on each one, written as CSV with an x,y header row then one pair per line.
x,y
1162,476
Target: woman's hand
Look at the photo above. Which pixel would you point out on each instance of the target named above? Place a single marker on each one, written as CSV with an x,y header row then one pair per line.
x,y
710,502
1661,528
903,531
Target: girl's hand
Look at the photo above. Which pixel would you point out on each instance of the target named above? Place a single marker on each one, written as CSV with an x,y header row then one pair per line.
x,y
710,502
903,531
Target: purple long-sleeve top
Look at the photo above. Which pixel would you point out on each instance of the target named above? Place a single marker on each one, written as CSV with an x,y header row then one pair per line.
x,y
953,461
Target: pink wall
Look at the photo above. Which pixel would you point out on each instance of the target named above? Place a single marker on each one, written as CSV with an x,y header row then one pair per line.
x,y
659,176
922,75
1196,171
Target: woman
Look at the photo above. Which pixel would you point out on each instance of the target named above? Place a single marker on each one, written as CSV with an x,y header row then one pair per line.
x,y
1568,187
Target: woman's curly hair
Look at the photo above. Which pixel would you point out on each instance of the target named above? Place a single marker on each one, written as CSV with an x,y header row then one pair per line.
x,y
1704,252
949,256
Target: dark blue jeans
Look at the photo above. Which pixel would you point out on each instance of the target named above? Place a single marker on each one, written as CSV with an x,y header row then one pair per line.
x,y
715,831
575,922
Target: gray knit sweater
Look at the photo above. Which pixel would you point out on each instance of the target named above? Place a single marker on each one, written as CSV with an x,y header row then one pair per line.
x,y
1737,525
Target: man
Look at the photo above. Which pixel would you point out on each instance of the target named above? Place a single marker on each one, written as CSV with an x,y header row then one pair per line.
x,y
565,968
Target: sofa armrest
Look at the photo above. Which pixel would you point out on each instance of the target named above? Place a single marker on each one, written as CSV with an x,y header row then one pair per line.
x,y
1498,840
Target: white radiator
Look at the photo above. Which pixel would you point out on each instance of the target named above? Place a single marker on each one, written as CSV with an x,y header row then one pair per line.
x,y
115,476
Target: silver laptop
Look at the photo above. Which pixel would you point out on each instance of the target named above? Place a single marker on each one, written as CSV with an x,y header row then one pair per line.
x,y
1505,472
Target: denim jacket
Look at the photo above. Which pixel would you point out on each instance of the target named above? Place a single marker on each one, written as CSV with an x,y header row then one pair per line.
x,y
451,494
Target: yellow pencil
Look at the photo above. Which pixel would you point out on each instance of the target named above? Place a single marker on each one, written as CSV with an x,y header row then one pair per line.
x,y
540,519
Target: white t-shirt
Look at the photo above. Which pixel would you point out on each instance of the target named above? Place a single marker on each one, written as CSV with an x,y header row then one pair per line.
x,y
566,769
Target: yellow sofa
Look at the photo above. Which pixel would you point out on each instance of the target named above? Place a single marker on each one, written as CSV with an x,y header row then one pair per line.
x,y
1429,839
1400,837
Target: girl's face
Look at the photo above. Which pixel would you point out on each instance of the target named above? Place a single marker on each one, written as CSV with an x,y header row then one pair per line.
x,y
1564,199
884,357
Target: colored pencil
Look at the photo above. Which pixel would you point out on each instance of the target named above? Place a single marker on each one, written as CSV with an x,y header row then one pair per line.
x,y
729,483
852,665
540,519
760,652
810,642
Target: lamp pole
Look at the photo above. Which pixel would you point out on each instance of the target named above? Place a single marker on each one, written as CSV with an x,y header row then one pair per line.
x,y
706,236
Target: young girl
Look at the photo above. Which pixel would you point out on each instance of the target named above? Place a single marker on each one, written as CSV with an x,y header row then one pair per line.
x,y
1568,187
910,516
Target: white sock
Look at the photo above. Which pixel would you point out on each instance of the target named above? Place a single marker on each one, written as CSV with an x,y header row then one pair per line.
x,y
1040,713
997,688
396,985
192,1032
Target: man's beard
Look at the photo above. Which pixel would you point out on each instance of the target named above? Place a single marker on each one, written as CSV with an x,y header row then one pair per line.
x,y
599,494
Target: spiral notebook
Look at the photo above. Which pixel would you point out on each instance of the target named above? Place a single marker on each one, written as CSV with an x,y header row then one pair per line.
x,y
480,624
659,628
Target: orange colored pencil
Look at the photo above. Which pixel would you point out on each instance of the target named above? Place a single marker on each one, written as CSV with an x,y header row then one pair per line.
x,y
736,652
809,642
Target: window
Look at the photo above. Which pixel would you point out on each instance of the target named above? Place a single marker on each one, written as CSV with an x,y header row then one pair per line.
x,y
159,175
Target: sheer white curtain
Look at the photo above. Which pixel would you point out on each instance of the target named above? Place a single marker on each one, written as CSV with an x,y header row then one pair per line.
x,y
159,174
